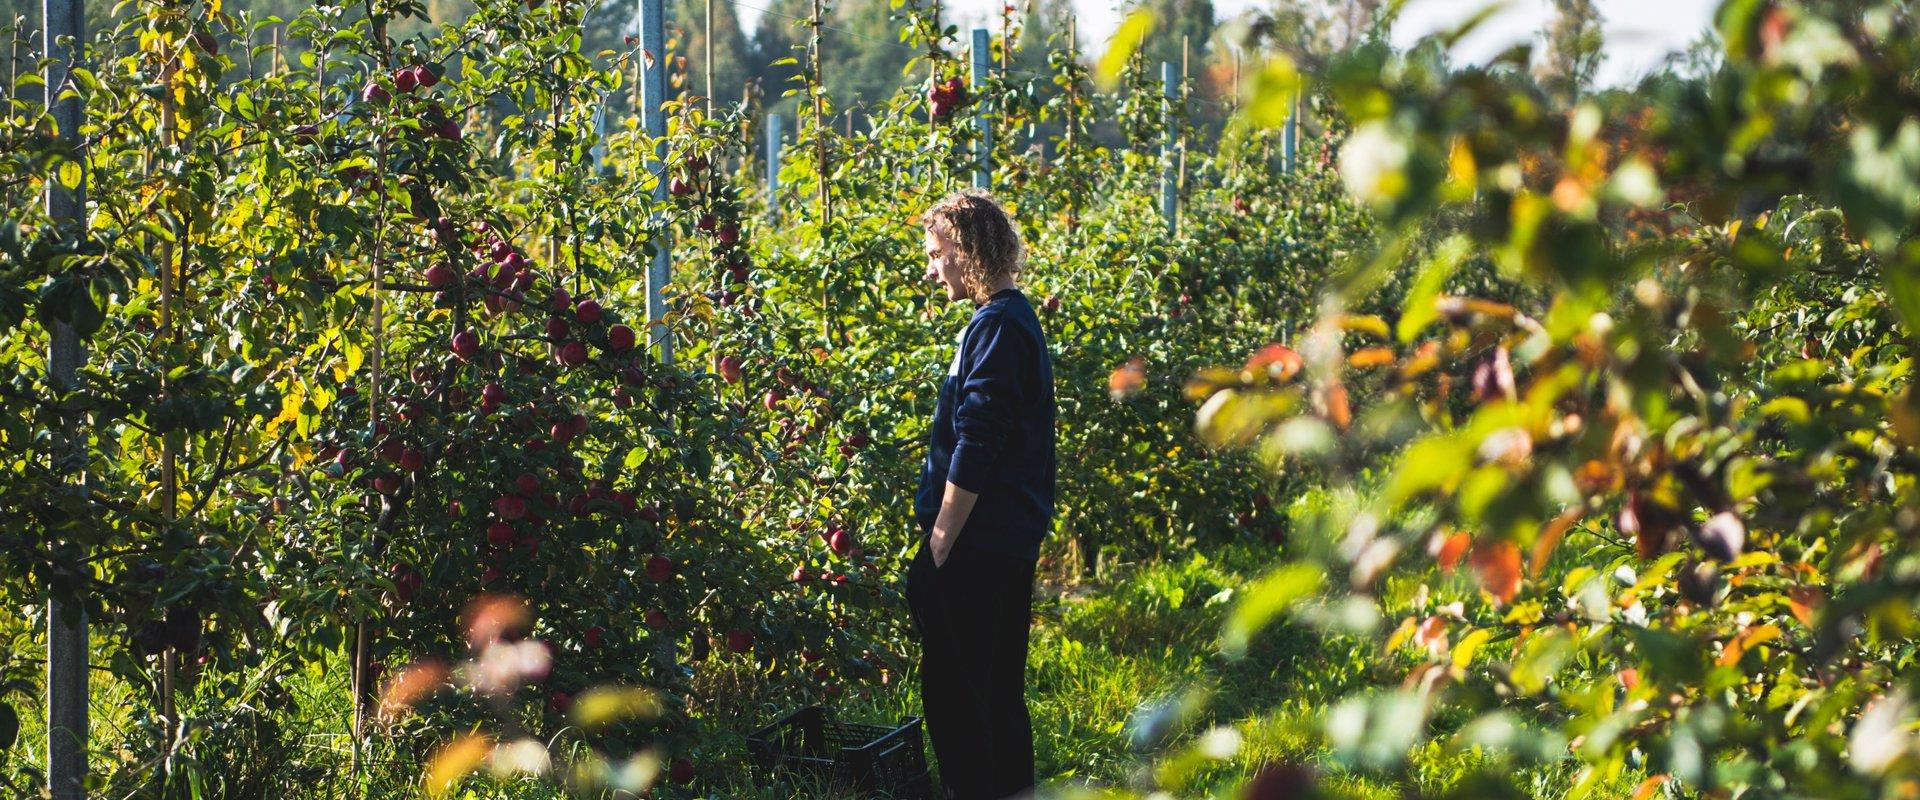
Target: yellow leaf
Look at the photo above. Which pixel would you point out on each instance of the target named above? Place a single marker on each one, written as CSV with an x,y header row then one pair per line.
x,y
603,704
454,761
1125,42
71,174
1364,323
289,407
1470,644
1402,634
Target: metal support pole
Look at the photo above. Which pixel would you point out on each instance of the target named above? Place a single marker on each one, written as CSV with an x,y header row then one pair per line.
x,y
1169,178
773,167
653,91
64,37
983,149
1289,136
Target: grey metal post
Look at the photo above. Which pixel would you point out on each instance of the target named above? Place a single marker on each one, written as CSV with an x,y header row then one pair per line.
x,y
64,36
653,91
1288,136
773,167
983,152
1169,197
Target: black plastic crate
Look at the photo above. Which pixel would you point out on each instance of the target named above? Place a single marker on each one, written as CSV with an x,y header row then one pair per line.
x,y
878,761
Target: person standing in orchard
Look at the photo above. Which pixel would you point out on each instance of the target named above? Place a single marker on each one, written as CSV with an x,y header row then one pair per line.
x,y
984,505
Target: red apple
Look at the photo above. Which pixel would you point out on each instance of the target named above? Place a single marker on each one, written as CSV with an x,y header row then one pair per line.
x,y
588,311
425,76
510,507
466,345
405,79
840,541
730,369
679,187
526,484
500,534
573,354
657,619
706,223
620,337
593,636
556,328
412,460
441,276
374,93
772,399
682,769
659,568
650,514
493,394
729,233
386,484
799,574
561,301
739,641
559,702
406,581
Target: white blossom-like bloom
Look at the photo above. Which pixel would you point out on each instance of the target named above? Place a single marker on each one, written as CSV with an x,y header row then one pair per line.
x,y
1372,163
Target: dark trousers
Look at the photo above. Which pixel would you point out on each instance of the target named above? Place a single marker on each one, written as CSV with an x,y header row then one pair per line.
x,y
972,615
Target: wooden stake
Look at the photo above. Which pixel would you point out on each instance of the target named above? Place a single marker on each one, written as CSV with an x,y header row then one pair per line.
x,y
709,29
820,128
1073,97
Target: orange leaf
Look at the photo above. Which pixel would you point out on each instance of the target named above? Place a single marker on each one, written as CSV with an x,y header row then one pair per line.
x,y
1277,360
1128,380
1452,549
1337,410
1550,536
1805,601
410,686
1747,640
1497,565
1370,357
1596,476
1649,787
490,617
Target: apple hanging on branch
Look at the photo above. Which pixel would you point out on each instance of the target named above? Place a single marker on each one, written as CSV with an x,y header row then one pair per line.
x,y
945,96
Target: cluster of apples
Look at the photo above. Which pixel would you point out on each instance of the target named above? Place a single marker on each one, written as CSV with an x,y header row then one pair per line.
x,y
698,188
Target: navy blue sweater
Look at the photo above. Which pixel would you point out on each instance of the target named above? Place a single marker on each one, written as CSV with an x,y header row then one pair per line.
x,y
993,432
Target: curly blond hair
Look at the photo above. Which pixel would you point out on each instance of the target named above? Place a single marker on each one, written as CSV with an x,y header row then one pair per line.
x,y
983,232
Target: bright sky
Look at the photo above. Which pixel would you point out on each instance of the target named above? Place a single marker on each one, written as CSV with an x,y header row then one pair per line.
x,y
1639,32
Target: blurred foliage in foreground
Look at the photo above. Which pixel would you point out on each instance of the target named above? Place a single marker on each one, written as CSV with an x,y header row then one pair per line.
x,y
1650,521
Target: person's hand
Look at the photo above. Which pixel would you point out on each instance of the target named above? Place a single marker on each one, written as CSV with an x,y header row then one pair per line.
x,y
941,546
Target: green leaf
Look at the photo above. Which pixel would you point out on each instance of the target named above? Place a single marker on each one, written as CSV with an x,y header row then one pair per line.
x,y
1274,88
1420,307
1267,599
